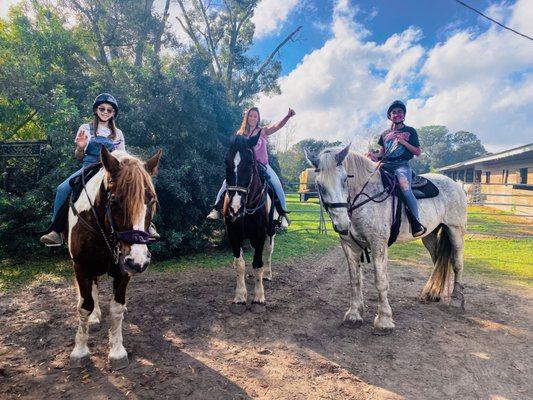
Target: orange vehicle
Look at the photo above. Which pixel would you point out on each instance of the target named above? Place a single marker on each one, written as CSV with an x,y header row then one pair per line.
x,y
307,185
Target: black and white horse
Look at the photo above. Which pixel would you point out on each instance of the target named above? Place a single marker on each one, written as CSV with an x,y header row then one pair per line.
x,y
246,211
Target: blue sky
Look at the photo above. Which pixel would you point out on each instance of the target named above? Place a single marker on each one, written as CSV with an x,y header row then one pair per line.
x,y
437,19
451,66
353,58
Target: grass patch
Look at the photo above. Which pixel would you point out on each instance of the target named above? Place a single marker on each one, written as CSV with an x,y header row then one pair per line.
x,y
497,258
499,222
300,239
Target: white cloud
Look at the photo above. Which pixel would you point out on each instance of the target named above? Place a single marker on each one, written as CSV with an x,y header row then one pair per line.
x,y
270,15
482,83
341,89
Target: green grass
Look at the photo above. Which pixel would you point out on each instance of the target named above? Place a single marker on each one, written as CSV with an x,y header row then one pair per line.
x,y
499,222
502,259
300,239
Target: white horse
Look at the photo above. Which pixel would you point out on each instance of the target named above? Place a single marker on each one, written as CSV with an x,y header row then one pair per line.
x,y
341,176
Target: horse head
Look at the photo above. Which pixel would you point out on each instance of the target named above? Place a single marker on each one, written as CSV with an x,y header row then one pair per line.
x,y
332,185
240,161
130,207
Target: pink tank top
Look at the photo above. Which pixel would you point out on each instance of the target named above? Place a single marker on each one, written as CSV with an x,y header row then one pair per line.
x,y
260,149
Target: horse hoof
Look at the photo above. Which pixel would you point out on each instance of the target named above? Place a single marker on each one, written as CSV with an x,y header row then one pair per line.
x,y
267,278
238,308
118,363
258,308
79,362
382,331
352,323
458,302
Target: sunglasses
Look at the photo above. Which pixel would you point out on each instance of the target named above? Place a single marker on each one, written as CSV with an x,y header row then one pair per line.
x,y
105,109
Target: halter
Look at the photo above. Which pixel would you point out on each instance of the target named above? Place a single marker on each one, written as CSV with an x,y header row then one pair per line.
x,y
112,241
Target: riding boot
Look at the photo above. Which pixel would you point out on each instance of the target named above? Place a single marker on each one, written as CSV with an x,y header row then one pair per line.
x,y
283,220
417,229
154,235
52,239
216,213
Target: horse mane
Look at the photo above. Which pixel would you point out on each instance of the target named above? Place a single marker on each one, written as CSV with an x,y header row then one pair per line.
x,y
357,166
131,183
360,167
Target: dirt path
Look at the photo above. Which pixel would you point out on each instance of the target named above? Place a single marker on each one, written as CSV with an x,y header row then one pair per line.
x,y
184,343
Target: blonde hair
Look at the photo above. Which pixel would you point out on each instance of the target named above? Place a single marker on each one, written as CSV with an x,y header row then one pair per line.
x,y
243,130
132,181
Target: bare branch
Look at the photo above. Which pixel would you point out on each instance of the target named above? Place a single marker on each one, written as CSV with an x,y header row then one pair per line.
x,y
266,63
209,37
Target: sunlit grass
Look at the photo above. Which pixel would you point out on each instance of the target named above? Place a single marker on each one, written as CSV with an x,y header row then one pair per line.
x,y
507,259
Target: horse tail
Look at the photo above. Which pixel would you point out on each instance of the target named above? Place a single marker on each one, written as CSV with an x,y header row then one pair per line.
x,y
439,284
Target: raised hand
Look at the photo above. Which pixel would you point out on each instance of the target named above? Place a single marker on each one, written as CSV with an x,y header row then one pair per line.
x,y
291,113
81,139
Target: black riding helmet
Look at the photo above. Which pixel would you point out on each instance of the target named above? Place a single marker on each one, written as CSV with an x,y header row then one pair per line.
x,y
396,104
105,98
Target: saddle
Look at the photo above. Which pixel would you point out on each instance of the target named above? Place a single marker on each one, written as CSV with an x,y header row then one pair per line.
x,y
76,183
257,186
422,188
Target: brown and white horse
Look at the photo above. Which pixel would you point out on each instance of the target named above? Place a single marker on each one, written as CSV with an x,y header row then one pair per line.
x,y
107,233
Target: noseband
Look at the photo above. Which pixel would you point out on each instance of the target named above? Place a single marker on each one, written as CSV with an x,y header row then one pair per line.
x,y
112,241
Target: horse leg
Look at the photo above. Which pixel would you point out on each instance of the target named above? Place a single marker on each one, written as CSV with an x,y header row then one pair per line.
x,y
269,248
383,323
118,357
458,244
258,303
80,354
354,316
94,318
239,301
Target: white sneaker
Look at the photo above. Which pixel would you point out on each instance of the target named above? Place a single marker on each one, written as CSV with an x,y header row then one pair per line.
x,y
284,222
52,239
214,214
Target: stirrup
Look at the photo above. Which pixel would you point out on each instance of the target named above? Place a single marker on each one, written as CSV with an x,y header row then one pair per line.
x,y
420,232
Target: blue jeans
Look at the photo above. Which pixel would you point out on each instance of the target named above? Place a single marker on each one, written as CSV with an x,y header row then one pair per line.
x,y
62,193
404,174
274,180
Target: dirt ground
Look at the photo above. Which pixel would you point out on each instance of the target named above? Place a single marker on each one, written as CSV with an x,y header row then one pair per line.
x,y
184,343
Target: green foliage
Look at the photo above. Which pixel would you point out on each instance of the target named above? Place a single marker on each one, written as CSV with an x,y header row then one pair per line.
x,y
293,161
440,148
49,73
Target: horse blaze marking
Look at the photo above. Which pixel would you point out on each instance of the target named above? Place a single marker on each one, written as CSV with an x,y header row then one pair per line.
x,y
236,162
236,203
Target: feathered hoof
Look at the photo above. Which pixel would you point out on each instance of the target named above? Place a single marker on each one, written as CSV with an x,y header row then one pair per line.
x,y
79,362
382,331
429,299
458,302
258,308
352,323
118,363
237,308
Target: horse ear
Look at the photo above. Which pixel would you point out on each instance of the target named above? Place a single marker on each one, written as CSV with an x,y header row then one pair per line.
x,y
224,140
312,159
340,156
252,141
110,162
152,163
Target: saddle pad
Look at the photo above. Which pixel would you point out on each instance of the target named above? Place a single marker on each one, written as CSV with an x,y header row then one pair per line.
x,y
422,187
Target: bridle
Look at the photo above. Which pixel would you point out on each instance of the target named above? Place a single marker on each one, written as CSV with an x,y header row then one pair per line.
x,y
246,190
112,240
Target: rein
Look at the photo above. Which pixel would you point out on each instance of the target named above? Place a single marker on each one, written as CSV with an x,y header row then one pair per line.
x,y
112,242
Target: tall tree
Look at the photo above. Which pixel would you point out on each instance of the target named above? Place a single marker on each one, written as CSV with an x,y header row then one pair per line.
x,y
223,33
